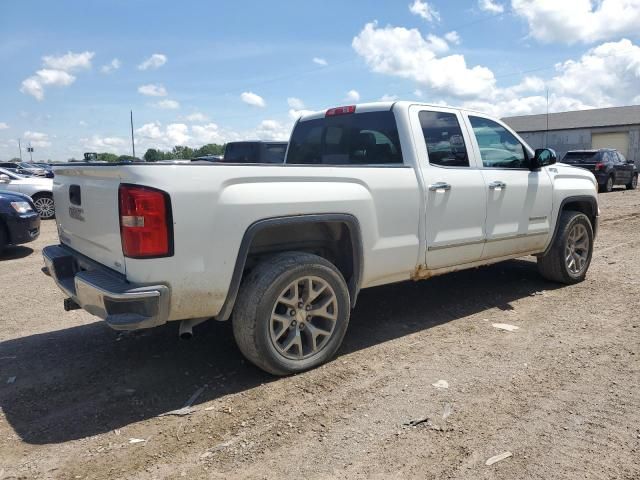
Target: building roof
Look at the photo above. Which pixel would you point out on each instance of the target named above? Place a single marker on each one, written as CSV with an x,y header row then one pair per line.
x,y
597,117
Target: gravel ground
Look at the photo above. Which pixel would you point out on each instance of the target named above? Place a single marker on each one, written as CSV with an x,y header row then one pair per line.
x,y
560,393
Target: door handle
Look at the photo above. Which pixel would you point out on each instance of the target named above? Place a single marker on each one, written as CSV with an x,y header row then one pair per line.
x,y
434,187
497,185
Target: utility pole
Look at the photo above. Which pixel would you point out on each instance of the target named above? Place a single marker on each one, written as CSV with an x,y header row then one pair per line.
x,y
133,145
546,133
20,148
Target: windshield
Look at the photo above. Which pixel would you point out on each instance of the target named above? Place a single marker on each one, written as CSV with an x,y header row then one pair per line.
x,y
10,174
581,157
355,139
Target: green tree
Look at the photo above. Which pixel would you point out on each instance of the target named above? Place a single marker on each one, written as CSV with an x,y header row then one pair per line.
x,y
153,155
209,149
107,157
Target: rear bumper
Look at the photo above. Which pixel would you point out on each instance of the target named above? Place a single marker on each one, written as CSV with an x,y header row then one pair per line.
x,y
105,293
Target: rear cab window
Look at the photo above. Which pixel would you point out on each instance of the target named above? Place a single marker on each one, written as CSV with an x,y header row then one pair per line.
x,y
365,139
242,152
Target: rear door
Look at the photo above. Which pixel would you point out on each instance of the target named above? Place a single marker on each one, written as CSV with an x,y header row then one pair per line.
x,y
519,201
623,169
455,194
87,214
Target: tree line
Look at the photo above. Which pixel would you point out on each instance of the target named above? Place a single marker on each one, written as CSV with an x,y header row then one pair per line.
x,y
155,155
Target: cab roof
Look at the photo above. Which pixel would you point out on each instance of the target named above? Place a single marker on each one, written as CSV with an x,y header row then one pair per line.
x,y
379,107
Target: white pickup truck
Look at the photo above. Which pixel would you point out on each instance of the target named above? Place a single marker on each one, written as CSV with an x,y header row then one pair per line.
x,y
368,195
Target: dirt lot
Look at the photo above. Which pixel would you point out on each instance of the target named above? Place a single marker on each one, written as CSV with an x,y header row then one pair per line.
x,y
561,393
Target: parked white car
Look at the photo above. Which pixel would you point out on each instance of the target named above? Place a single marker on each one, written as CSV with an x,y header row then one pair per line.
x,y
38,188
368,195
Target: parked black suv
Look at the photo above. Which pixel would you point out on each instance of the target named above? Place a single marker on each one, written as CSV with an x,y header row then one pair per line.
x,y
255,152
609,167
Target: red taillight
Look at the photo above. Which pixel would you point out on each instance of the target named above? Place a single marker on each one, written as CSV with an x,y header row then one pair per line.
x,y
145,225
332,112
599,166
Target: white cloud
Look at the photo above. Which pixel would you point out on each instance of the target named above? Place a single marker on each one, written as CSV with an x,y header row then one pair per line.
x,y
251,98
572,21
418,93
424,10
37,139
34,85
388,98
96,143
154,61
152,90
353,95
4,125
490,6
296,114
113,65
407,54
452,37
272,130
56,73
154,135
167,104
196,117
320,61
295,103
605,75
69,62
209,133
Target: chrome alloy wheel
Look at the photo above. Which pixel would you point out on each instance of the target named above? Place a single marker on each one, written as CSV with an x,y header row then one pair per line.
x,y
576,251
45,207
303,318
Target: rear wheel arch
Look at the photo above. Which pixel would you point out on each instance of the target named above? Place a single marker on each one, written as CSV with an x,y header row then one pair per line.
x,y
334,237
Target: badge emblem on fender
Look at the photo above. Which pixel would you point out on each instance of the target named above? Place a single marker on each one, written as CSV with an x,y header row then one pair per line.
x,y
76,213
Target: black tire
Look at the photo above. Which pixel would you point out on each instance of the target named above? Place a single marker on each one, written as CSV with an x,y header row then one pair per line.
x,y
633,184
44,205
258,297
608,185
553,265
4,238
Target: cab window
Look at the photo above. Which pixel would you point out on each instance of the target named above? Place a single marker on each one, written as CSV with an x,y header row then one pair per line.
x,y
499,148
443,136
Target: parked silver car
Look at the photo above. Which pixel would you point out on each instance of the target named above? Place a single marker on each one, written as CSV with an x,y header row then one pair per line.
x,y
38,188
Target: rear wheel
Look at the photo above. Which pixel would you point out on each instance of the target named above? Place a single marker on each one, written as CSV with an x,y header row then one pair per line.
x,y
569,257
633,184
4,239
608,186
292,313
44,205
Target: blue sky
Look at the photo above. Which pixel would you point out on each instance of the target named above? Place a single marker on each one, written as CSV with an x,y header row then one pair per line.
x,y
219,71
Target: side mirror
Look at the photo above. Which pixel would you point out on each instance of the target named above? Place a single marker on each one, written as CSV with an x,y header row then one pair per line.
x,y
543,158
4,178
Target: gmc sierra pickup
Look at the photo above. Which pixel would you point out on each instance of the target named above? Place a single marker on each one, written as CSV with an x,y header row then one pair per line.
x,y
368,195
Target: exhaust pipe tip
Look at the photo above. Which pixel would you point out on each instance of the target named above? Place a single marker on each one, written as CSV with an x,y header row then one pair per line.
x,y
185,332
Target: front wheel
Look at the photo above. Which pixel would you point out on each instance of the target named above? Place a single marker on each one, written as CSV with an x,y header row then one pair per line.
x,y
292,313
569,257
633,184
44,205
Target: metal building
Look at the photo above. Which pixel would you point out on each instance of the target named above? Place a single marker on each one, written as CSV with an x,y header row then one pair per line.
x,y
616,127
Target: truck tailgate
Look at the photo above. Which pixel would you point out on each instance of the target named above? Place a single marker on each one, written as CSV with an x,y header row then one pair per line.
x,y
86,202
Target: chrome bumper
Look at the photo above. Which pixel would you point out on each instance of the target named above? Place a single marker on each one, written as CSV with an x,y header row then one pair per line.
x,y
105,293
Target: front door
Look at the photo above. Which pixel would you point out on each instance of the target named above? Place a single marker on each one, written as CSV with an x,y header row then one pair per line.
x,y
455,197
519,200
